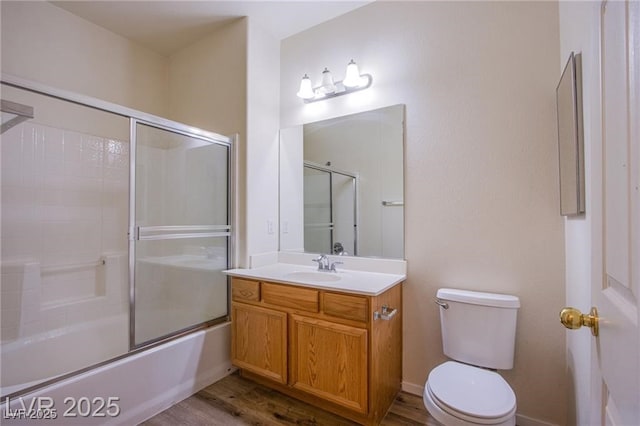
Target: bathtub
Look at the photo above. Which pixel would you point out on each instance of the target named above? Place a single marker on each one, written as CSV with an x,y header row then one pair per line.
x,y
139,385
95,330
46,355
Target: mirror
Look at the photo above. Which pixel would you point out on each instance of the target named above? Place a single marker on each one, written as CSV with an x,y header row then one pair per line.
x,y
342,185
570,138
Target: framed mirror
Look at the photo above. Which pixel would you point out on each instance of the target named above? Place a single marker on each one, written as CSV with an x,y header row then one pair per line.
x,y
342,185
570,138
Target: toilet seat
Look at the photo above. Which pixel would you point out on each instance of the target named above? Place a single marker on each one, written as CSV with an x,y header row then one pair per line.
x,y
471,394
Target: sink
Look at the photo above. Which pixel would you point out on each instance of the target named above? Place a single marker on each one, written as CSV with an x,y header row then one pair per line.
x,y
313,276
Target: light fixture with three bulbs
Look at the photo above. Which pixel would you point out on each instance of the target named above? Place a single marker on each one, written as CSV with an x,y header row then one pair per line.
x,y
353,82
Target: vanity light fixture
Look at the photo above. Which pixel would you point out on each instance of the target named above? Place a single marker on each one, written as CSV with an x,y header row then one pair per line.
x,y
306,90
353,82
352,78
327,86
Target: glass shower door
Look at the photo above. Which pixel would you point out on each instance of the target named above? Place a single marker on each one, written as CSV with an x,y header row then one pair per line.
x,y
318,222
181,232
330,211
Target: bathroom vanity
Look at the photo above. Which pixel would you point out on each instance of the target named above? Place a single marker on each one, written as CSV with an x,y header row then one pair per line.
x,y
327,339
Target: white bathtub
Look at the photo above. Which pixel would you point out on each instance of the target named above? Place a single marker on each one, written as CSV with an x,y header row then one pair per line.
x,y
144,383
34,359
141,385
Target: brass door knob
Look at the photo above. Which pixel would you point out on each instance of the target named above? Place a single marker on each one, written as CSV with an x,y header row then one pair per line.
x,y
573,319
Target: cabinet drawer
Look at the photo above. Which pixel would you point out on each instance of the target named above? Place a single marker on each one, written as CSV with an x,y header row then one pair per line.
x,y
304,299
245,290
345,306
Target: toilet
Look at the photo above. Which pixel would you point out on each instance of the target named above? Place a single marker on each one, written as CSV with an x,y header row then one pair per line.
x,y
478,335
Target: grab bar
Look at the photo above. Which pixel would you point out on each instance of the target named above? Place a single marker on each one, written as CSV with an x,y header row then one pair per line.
x,y
176,232
182,228
181,236
73,267
393,203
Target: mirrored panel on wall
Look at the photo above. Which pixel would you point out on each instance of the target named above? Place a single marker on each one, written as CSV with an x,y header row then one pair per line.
x,y
342,185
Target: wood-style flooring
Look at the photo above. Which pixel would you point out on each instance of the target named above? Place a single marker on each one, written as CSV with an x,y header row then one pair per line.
x,y
235,401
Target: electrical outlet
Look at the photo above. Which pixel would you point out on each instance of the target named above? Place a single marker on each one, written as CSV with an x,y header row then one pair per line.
x,y
269,227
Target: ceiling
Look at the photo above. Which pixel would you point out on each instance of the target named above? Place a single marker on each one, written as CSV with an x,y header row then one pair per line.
x,y
168,26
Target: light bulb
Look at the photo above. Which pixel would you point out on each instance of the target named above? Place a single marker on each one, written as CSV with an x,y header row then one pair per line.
x,y
352,77
306,90
327,86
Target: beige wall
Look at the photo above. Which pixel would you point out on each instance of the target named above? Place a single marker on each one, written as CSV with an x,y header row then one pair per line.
x,y
481,184
208,82
208,89
44,43
218,83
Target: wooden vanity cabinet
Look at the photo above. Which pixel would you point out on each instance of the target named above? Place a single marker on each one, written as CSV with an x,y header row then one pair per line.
x,y
260,341
321,346
329,360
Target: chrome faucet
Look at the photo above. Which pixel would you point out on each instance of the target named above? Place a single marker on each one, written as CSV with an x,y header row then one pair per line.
x,y
323,262
325,265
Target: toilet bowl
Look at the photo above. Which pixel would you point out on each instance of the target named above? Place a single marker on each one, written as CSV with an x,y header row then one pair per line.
x,y
478,335
460,395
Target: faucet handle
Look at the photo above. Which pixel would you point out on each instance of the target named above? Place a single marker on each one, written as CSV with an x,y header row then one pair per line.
x,y
323,262
333,266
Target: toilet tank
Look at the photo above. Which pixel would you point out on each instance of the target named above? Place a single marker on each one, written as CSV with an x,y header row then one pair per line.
x,y
478,328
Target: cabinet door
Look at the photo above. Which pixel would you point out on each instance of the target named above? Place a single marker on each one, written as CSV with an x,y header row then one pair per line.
x,y
259,341
330,361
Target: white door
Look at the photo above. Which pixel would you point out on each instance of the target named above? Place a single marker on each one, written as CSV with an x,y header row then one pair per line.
x,y
616,236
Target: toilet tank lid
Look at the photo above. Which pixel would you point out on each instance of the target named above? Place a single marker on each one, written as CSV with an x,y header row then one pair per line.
x,y
478,298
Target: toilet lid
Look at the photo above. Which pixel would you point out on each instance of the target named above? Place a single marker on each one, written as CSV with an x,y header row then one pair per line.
x,y
471,390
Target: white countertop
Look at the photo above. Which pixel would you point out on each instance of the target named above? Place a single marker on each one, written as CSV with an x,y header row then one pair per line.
x,y
349,281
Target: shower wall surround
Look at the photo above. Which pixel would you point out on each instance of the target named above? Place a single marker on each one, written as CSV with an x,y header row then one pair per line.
x,y
64,196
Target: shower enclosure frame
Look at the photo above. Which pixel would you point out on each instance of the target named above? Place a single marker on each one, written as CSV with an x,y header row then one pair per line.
x,y
135,117
135,232
331,225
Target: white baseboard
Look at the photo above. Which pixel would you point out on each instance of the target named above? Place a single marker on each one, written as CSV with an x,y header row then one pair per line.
x,y
521,420
412,388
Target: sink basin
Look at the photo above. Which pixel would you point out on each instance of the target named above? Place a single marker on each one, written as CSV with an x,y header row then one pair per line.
x,y
313,276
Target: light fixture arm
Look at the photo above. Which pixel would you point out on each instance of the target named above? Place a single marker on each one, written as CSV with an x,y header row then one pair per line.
x,y
352,82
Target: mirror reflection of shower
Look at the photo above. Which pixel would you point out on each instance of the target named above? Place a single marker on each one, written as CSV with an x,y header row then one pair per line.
x,y
13,114
369,144
330,210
